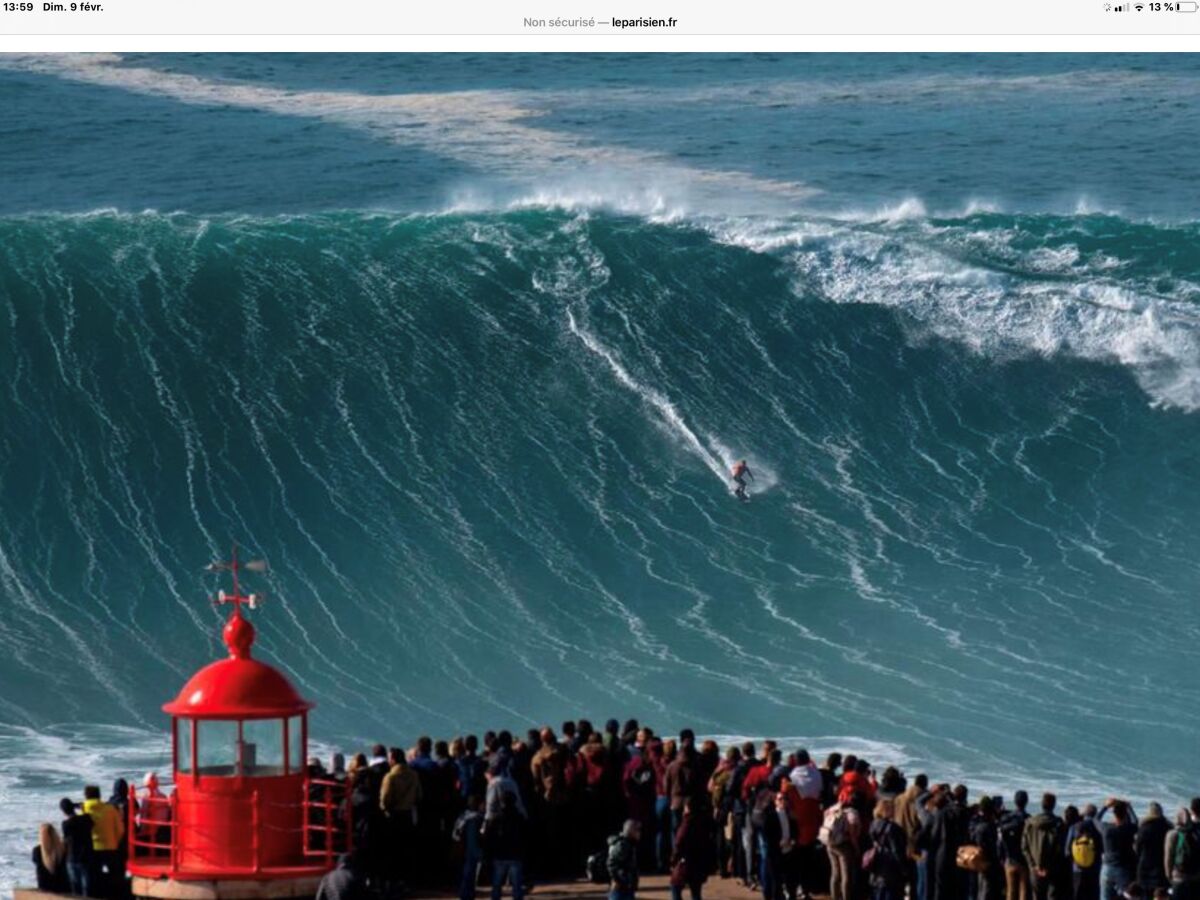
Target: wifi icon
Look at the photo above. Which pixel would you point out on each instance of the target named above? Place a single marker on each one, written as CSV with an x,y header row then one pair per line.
x,y
1138,7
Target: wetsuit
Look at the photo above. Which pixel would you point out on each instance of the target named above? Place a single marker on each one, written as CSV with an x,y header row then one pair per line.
x,y
740,472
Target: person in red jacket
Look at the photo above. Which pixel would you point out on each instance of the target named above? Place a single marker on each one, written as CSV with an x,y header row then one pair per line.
x,y
858,780
639,784
806,816
758,776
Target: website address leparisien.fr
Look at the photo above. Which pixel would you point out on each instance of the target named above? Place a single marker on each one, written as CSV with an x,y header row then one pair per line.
x,y
593,22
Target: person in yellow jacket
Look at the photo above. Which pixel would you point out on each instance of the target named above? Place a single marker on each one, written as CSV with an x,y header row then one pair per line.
x,y
108,830
398,798
107,827
401,790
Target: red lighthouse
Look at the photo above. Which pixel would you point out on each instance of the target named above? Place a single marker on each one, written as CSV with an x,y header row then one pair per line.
x,y
245,820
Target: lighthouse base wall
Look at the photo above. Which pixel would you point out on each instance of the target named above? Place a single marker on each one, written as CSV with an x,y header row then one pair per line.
x,y
227,888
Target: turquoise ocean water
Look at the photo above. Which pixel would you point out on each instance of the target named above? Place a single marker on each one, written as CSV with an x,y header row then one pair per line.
x,y
465,346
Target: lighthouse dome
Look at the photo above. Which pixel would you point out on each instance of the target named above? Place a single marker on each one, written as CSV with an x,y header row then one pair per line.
x,y
238,688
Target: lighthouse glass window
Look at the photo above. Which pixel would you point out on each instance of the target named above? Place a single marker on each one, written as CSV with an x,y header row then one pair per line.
x,y
262,747
295,744
216,746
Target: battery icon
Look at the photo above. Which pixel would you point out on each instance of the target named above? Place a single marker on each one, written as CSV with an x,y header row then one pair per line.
x,y
1186,6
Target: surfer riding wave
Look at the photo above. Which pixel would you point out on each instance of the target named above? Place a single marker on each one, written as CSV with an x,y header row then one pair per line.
x,y
741,471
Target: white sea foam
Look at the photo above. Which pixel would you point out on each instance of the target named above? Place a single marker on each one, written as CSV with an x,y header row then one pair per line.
x,y
993,312
907,209
37,768
666,411
717,457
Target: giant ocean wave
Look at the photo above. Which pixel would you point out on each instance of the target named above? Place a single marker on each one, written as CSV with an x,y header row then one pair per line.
x,y
485,454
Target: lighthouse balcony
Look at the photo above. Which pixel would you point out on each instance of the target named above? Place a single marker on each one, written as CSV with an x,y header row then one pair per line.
x,y
258,829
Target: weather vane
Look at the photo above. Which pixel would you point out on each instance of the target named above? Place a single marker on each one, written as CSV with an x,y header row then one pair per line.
x,y
233,566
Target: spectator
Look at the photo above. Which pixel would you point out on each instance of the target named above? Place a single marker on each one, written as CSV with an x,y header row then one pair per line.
x,y
639,787
153,818
692,851
887,853
1181,857
1083,847
505,841
780,870
806,776
1042,845
108,833
471,769
909,816
50,861
940,837
743,833
841,833
721,801
499,785
346,882
399,801
77,837
622,862
985,834
1150,847
1012,853
829,780
1118,865
468,835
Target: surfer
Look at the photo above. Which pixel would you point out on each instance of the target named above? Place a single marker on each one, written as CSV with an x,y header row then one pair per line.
x,y
741,471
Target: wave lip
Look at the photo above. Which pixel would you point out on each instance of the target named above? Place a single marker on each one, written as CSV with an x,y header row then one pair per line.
x,y
1042,300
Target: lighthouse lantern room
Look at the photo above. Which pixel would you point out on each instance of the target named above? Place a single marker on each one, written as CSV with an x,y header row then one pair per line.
x,y
243,807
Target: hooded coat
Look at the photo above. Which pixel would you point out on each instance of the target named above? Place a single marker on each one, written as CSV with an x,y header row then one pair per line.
x,y
941,836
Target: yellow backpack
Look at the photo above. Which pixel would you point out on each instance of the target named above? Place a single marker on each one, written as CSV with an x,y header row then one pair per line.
x,y
1083,849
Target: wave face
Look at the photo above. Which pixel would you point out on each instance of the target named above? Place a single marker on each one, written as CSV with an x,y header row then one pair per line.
x,y
485,455
482,438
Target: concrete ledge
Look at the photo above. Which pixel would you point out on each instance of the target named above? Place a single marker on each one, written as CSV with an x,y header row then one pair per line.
x,y
653,887
231,889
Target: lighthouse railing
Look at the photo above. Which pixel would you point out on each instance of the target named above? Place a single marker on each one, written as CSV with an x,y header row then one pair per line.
x,y
154,840
151,826
328,819
256,828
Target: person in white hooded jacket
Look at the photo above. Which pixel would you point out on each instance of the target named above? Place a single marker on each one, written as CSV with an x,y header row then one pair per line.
x,y
806,777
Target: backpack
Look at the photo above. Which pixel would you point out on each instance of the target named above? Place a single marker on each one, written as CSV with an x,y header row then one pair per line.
x,y
1186,855
1083,848
764,802
880,859
835,828
735,786
1011,828
597,868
